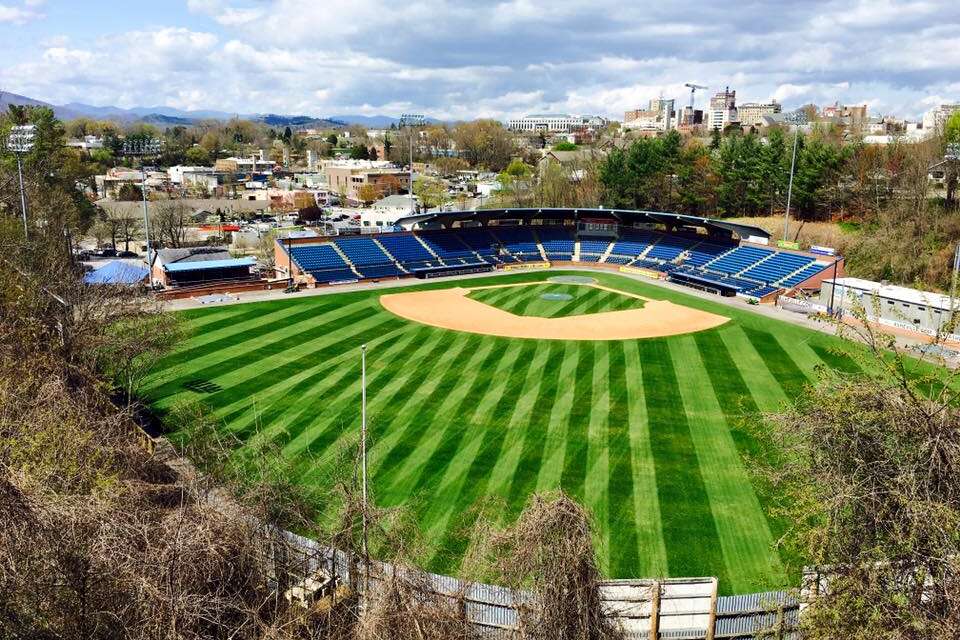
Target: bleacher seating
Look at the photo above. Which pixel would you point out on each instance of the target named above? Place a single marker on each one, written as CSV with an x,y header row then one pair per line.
x,y
589,257
633,242
777,267
388,270
480,241
669,248
618,260
317,257
362,251
704,252
738,260
447,245
519,241
557,243
803,274
406,249
593,246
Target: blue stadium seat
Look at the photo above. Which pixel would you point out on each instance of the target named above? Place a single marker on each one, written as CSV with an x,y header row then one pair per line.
x,y
333,275
807,272
704,252
777,267
317,257
447,245
405,248
362,251
594,245
739,259
519,241
557,242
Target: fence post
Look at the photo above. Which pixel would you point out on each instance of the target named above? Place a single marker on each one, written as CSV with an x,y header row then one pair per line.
x,y
712,622
655,610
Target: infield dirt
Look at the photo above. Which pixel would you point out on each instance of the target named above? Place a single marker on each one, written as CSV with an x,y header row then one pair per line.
x,y
453,309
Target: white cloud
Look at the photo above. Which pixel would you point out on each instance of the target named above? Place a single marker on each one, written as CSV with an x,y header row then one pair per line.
x,y
19,14
458,59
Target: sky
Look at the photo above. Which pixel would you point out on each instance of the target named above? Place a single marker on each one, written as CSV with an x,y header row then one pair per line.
x,y
463,59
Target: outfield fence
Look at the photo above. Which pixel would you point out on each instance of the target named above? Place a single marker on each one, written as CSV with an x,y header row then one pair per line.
x,y
648,609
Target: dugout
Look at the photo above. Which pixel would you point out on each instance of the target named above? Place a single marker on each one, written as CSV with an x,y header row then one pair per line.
x,y
200,265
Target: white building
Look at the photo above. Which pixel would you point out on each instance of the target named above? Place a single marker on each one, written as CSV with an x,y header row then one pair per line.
x,y
176,173
556,123
751,114
723,109
87,143
384,213
934,119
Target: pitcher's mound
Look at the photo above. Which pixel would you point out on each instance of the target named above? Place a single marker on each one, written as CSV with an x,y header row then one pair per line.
x,y
452,309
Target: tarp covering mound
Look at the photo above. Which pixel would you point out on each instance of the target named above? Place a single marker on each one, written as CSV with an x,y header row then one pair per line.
x,y
117,272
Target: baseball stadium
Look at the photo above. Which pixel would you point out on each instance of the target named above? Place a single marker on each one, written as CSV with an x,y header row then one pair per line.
x,y
621,356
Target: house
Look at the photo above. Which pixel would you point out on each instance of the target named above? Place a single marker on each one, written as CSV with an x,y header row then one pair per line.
x,y
349,177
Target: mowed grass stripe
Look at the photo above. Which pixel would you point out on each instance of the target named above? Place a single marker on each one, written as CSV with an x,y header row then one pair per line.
x,y
454,435
286,337
621,515
574,473
383,404
745,537
248,327
254,381
837,359
445,420
778,360
525,474
420,415
266,380
650,553
328,380
454,543
689,531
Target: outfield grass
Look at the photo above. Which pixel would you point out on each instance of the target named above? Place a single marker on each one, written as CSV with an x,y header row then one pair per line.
x,y
649,434
529,300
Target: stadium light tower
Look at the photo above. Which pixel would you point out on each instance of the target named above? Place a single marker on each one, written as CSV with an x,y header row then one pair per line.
x,y
411,120
796,118
141,148
21,141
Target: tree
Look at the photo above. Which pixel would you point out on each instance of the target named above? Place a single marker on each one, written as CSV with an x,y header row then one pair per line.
x,y
484,143
197,155
368,193
359,152
168,222
565,146
868,474
129,192
430,192
951,135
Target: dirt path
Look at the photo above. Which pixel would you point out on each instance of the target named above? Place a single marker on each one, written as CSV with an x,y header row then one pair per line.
x,y
452,309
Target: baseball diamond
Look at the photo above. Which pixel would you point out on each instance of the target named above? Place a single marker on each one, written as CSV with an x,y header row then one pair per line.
x,y
649,432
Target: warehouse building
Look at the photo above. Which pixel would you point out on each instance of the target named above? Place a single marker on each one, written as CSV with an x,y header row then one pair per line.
x,y
888,304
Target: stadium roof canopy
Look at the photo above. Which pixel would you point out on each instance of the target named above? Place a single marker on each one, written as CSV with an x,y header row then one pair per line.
x,y
117,272
622,216
209,264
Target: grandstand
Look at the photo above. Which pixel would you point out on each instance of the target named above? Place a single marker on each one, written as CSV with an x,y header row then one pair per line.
x,y
712,255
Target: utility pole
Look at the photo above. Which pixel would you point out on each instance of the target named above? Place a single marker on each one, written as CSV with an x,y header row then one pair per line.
x,y
953,285
796,118
411,120
141,149
21,141
363,467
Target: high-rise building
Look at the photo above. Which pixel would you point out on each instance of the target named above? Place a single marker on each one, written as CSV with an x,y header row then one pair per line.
x,y
658,116
751,113
934,119
723,109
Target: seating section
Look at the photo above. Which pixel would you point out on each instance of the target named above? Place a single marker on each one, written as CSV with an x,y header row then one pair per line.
x,y
748,270
808,271
557,243
519,242
448,246
738,260
593,246
368,258
669,248
704,252
633,242
406,249
362,251
778,267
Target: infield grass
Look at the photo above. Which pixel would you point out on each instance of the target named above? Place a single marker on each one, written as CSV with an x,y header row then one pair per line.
x,y
649,434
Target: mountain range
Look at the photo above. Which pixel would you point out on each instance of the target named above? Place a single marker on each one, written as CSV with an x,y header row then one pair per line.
x,y
168,116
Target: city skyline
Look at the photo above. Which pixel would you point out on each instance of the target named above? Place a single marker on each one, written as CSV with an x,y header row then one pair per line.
x,y
455,60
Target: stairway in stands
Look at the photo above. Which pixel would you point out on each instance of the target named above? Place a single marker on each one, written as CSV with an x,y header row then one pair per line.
x,y
349,262
398,264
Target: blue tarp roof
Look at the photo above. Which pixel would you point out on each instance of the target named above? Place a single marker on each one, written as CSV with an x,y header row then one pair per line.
x,y
117,272
209,264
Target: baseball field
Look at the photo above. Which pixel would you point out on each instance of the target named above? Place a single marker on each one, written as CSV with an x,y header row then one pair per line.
x,y
647,431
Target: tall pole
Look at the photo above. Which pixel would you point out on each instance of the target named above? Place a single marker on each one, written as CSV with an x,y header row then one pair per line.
x,y
23,199
289,263
412,201
146,217
953,284
833,289
793,162
363,466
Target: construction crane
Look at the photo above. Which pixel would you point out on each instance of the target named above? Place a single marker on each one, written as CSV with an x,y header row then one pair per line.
x,y
693,89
